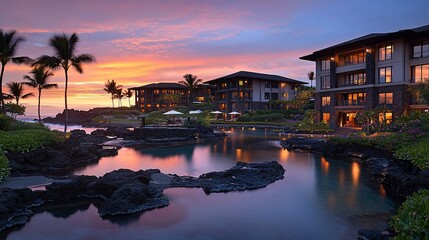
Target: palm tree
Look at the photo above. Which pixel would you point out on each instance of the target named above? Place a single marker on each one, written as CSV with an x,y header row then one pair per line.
x,y
119,94
311,78
65,57
39,80
8,45
16,91
112,88
190,82
129,95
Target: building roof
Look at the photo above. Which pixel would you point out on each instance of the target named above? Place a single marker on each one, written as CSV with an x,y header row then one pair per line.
x,y
369,39
164,85
263,76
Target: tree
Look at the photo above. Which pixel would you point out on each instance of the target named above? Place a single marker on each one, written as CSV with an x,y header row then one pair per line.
x,y
39,80
9,43
65,57
14,109
16,91
119,94
423,90
112,87
169,98
129,95
190,82
311,78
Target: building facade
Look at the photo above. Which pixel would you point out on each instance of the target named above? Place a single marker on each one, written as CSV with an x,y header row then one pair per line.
x,y
243,91
376,70
157,96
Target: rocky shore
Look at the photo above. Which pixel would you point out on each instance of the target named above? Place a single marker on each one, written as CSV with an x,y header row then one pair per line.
x,y
399,178
124,191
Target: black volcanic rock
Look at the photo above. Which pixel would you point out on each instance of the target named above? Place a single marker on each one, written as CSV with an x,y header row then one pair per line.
x,y
124,191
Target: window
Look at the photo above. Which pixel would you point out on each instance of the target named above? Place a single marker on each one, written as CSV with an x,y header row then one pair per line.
x,y
385,52
267,96
326,101
354,99
233,85
275,85
385,75
354,58
355,79
274,96
267,84
385,117
325,65
420,73
156,91
325,82
385,98
325,117
421,49
240,83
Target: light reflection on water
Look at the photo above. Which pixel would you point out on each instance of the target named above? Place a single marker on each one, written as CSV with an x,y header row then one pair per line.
x,y
320,198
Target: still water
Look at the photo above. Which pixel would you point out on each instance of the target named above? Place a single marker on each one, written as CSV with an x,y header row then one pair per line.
x,y
319,198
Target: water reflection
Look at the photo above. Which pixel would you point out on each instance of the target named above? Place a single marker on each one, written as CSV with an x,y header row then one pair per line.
x,y
316,200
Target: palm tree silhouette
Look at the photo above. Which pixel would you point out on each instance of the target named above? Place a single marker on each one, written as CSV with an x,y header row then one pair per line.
x,y
16,91
65,57
39,80
8,45
112,88
311,78
190,82
129,95
119,95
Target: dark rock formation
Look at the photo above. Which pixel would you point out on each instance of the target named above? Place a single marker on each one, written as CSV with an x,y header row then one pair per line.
x,y
241,177
78,150
124,191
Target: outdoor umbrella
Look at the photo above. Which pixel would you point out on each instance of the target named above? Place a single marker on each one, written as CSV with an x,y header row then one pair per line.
x,y
195,112
172,112
216,112
234,113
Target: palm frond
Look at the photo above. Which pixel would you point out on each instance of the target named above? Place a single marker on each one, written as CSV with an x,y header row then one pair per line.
x,y
48,61
22,60
27,95
50,86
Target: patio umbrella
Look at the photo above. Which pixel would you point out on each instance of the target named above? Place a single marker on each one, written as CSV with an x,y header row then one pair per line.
x,y
216,112
195,112
172,112
234,113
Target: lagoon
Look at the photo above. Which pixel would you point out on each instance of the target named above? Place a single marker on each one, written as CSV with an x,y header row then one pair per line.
x,y
319,198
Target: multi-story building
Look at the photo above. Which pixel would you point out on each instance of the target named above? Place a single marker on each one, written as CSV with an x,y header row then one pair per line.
x,y
243,91
379,69
156,96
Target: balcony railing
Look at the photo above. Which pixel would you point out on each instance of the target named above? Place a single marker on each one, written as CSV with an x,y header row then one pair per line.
x,y
351,84
351,103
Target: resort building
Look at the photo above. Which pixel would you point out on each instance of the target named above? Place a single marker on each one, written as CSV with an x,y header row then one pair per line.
x,y
243,91
156,96
376,70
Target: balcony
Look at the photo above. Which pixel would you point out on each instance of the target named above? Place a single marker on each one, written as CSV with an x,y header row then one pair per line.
x,y
348,103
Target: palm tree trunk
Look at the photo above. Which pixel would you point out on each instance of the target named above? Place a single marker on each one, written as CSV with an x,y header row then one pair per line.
x,y
38,105
113,102
17,100
129,102
65,101
1,90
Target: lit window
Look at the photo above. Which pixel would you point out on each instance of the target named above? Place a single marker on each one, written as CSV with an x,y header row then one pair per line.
x,y
326,101
385,52
267,96
325,117
385,75
385,117
420,73
385,98
240,83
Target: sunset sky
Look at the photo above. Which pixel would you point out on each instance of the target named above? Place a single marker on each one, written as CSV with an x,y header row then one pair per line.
x,y
140,42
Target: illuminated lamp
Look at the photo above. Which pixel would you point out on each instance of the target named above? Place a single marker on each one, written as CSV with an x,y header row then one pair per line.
x,y
332,58
368,50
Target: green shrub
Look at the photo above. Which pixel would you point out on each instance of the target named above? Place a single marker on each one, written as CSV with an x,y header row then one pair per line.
x,y
412,219
271,117
4,167
320,127
417,152
9,124
27,140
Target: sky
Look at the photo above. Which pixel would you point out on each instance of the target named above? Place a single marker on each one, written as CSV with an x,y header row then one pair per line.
x,y
140,42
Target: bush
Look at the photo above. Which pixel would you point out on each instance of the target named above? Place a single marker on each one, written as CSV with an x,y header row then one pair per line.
x,y
9,124
271,117
416,152
4,167
27,140
412,219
